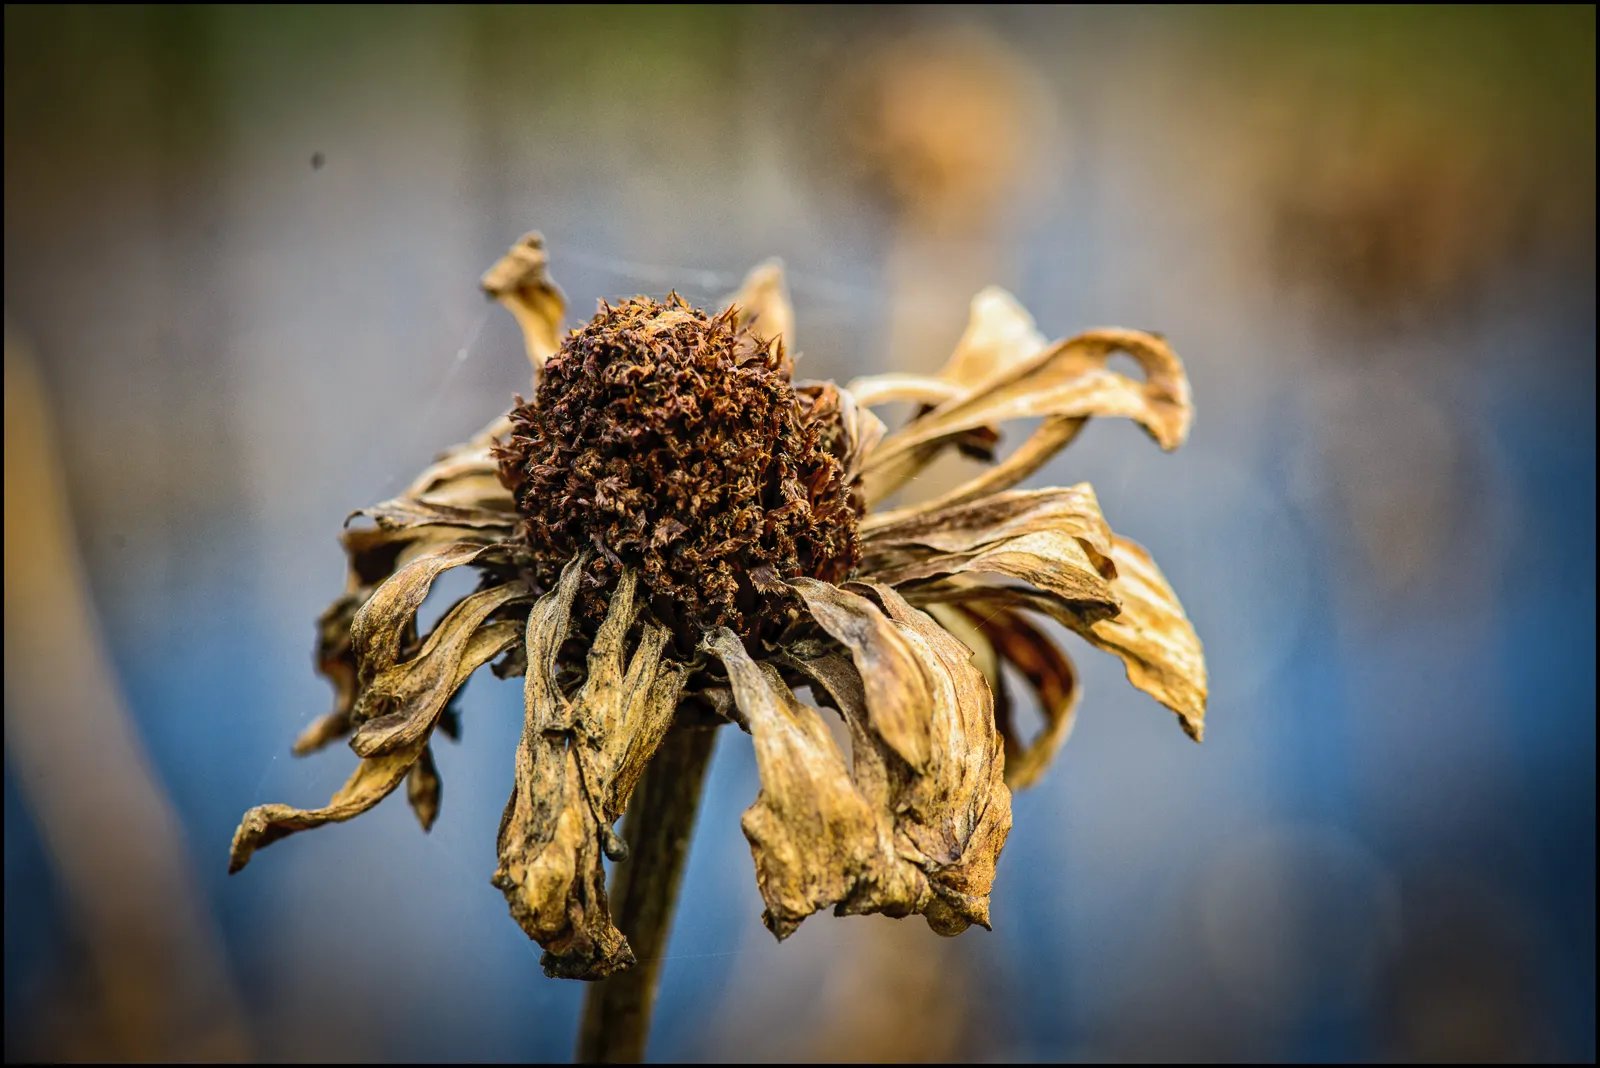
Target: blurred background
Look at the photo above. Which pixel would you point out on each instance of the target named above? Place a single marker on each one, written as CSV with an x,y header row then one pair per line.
x,y
241,254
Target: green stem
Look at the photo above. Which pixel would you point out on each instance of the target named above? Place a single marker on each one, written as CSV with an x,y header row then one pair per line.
x,y
660,819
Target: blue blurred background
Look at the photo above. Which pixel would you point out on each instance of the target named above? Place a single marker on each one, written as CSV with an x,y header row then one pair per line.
x,y
242,246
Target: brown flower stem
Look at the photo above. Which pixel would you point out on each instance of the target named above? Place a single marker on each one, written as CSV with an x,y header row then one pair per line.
x,y
661,815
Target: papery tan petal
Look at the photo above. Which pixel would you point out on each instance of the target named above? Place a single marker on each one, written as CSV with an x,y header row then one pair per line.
x,y
888,388
1051,560
380,773
336,661
578,762
1049,672
993,519
379,627
1068,380
956,817
521,282
1050,437
815,841
424,789
549,842
625,707
372,781
1154,638
898,690
1000,334
763,304
1151,635
418,689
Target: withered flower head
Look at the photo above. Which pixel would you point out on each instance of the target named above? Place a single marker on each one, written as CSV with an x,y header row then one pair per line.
x,y
674,534
667,440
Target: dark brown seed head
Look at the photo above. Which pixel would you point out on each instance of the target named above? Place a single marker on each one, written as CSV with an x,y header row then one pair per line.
x,y
672,441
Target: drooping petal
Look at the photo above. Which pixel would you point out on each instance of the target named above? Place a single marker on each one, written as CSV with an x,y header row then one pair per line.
x,y
949,820
336,661
625,707
373,780
418,689
549,842
1067,381
1047,559
520,281
815,841
576,766
957,815
1154,638
378,629
424,788
1151,634
1049,673
1055,539
993,519
898,690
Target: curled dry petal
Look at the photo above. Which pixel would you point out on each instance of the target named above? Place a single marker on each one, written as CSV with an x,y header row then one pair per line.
x,y
373,781
424,788
956,816
1151,635
898,690
1049,560
1055,539
1000,334
815,841
520,281
1049,673
375,778
379,627
576,766
1067,381
458,498
950,821
418,689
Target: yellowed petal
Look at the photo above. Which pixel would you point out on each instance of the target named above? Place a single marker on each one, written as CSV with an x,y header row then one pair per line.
x,y
1049,672
898,691
1154,638
521,282
993,519
1068,380
953,821
550,841
1051,436
577,765
417,690
1151,635
1051,560
873,390
372,781
1000,334
379,626
815,841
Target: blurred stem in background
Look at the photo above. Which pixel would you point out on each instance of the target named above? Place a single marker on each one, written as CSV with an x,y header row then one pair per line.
x,y
161,989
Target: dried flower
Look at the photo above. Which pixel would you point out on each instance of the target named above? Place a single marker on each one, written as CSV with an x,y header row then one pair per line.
x,y
673,534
